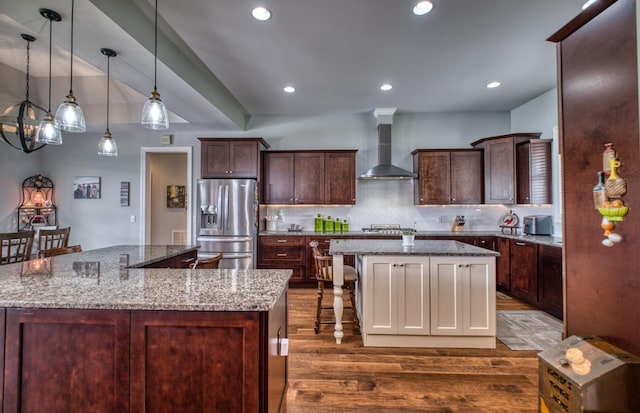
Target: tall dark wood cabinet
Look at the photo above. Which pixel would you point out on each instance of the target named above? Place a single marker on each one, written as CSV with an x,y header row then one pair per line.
x,y
504,177
598,99
231,158
309,177
448,176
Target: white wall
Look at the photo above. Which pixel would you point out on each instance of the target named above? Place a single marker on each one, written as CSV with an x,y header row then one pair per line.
x,y
102,222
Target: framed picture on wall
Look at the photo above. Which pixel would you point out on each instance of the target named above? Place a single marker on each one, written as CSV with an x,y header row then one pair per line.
x,y
176,196
86,187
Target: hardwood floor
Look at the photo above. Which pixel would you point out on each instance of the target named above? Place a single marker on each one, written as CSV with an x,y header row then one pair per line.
x,y
328,377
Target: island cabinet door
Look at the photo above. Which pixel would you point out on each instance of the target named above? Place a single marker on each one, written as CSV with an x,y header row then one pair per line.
x,y
396,291
413,295
66,361
195,361
463,296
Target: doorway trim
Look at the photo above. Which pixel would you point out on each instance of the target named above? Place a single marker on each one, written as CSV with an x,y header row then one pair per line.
x,y
145,188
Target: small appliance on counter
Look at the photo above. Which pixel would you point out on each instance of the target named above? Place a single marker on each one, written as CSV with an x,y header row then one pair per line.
x,y
538,225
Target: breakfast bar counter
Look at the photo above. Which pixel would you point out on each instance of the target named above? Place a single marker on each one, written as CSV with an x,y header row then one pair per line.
x,y
429,294
102,331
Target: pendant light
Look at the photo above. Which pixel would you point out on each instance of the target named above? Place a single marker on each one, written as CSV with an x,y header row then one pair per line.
x,y
18,124
154,113
69,116
47,131
107,145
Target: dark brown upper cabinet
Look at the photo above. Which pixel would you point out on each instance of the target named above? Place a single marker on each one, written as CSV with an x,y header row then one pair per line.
x,y
508,177
231,157
309,177
448,176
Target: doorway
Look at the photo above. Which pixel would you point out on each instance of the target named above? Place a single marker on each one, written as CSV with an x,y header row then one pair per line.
x,y
165,218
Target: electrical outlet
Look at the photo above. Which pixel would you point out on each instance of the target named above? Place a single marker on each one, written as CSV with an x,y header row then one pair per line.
x,y
439,219
133,218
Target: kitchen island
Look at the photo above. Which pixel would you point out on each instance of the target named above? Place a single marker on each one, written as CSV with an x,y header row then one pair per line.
x,y
95,331
431,294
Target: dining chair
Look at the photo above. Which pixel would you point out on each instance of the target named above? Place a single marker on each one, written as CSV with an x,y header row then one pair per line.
x,y
52,252
53,238
15,246
323,266
206,263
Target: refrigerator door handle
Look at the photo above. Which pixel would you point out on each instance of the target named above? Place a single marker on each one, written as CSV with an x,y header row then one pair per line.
x,y
221,210
226,207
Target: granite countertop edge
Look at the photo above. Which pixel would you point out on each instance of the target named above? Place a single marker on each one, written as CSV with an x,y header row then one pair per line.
x,y
100,280
537,239
432,248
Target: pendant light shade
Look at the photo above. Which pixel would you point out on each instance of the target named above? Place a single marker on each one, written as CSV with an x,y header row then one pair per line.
x,y
69,116
47,131
154,113
18,124
107,145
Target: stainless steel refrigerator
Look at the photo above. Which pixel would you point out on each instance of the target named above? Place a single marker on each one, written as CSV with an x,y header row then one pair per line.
x,y
228,221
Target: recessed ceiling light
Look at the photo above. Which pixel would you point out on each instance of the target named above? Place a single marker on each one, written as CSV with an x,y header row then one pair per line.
x,y
386,87
493,85
587,4
422,8
289,89
261,13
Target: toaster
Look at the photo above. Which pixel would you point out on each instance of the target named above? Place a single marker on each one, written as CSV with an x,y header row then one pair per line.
x,y
538,225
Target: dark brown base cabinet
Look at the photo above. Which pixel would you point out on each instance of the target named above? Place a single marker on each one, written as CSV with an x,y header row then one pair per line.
x,y
137,361
536,275
550,280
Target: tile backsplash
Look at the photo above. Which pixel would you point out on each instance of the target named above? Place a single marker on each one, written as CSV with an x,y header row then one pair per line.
x,y
391,202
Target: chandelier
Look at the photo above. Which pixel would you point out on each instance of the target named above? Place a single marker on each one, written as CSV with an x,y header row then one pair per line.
x,y
19,122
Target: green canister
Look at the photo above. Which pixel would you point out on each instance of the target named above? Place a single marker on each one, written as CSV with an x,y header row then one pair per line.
x,y
345,226
337,226
328,224
319,223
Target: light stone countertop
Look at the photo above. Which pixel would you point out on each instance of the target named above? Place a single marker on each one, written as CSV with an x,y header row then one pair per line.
x,y
395,247
106,278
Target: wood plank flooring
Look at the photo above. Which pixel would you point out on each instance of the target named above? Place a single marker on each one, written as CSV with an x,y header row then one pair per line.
x,y
328,377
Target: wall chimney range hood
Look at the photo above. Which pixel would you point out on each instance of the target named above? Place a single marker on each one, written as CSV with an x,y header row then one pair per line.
x,y
384,169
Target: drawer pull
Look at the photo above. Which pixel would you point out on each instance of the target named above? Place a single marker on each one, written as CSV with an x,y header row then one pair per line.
x,y
522,244
282,240
281,255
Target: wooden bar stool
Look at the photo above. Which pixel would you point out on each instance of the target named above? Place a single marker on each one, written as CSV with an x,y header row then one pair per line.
x,y
323,265
207,263
15,246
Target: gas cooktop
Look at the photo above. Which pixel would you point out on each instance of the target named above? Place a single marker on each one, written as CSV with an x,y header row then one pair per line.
x,y
393,229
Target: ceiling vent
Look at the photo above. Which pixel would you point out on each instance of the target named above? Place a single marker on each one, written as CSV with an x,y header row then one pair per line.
x,y
384,169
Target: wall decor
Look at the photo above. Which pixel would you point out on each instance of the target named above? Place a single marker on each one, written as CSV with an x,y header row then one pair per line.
x,y
86,187
124,193
176,196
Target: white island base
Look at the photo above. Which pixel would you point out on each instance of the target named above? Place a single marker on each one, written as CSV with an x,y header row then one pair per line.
x,y
426,296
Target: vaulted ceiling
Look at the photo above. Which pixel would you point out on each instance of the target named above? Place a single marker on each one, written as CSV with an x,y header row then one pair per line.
x,y
217,65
